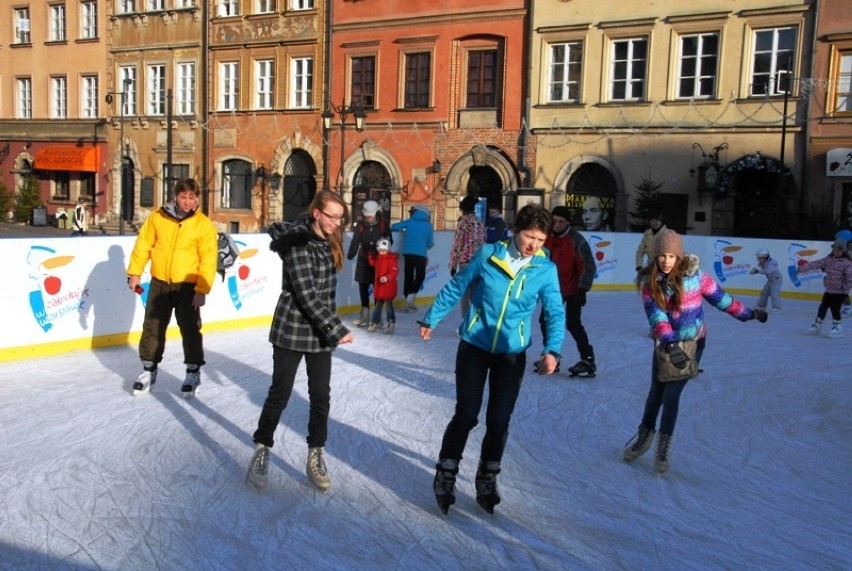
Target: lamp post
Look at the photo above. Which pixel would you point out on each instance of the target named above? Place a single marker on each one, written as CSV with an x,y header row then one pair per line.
x,y
343,111
125,83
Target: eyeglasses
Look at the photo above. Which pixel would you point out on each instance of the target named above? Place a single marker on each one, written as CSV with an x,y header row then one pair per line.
x,y
337,219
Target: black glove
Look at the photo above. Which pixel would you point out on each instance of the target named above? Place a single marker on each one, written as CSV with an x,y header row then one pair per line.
x,y
581,297
760,314
676,355
453,272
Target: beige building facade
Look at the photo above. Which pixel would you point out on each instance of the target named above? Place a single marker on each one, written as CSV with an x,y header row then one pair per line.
x,y
696,96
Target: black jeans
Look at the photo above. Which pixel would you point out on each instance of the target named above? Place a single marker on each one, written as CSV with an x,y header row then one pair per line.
x,y
163,299
667,396
285,363
504,374
574,325
833,302
414,273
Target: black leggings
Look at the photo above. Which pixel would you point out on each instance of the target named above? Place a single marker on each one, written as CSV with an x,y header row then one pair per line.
x,y
833,302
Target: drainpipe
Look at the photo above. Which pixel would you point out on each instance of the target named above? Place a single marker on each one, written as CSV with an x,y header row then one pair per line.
x,y
205,109
806,131
326,80
525,112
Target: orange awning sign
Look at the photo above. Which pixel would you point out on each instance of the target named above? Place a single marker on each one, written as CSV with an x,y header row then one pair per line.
x,y
59,158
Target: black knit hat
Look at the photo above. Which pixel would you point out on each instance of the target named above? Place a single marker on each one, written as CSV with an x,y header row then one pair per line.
x,y
562,212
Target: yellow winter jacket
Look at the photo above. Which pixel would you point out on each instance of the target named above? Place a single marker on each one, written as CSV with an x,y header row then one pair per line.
x,y
180,251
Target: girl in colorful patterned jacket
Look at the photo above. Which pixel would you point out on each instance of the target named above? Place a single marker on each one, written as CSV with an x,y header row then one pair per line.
x,y
673,289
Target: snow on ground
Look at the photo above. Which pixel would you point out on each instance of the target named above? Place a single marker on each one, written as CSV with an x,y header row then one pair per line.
x,y
93,478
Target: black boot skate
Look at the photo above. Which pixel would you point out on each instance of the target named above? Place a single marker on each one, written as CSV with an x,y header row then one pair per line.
x,y
445,483
487,495
585,368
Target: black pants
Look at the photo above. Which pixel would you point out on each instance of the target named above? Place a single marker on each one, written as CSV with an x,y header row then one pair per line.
x,y
414,273
833,302
285,363
163,299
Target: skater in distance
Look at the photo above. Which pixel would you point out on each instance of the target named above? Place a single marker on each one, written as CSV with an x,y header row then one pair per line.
x,y
181,244
673,289
837,281
575,264
305,326
508,279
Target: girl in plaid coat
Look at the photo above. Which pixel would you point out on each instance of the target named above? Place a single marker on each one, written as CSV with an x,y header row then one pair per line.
x,y
305,326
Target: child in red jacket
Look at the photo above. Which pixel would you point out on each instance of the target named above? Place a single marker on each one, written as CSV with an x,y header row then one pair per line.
x,y
384,287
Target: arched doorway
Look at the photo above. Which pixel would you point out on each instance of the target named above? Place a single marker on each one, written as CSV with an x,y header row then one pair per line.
x,y
372,181
484,182
758,191
300,185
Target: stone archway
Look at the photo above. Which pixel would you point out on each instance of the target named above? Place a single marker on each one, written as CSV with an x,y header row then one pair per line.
x,y
563,179
458,178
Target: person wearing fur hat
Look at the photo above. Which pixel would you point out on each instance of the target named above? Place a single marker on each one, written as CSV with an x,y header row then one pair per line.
x,y
837,281
386,266
673,288
573,257
365,235
468,239
646,244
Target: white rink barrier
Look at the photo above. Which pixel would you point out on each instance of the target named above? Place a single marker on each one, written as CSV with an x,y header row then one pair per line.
x,y
64,294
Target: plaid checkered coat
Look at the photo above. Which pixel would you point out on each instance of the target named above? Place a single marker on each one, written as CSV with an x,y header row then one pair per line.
x,y
305,318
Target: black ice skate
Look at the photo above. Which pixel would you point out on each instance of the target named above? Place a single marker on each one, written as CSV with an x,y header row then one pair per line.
x,y
445,483
585,368
487,495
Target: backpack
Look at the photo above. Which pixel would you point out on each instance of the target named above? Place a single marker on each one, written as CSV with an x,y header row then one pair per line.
x,y
228,253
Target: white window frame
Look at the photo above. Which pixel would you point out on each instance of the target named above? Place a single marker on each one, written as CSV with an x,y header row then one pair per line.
x,y
126,6
701,55
89,96
229,85
630,82
24,100
88,19
264,73
127,84
227,8
156,89
57,23
301,4
59,97
185,83
22,26
301,82
777,60
264,6
841,97
156,5
567,83
185,3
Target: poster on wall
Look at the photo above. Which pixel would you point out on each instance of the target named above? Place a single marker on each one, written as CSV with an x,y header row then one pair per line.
x,y
591,212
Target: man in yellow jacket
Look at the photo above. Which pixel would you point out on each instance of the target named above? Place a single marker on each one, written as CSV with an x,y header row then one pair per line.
x,y
180,243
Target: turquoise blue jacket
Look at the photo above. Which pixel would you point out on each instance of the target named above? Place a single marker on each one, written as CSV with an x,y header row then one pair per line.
x,y
502,303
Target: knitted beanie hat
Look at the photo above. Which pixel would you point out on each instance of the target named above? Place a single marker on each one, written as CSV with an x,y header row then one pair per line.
x,y
841,243
370,208
562,212
383,245
668,242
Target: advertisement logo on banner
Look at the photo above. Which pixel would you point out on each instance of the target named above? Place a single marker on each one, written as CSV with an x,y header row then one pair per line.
x,y
728,260
241,284
602,252
797,255
50,299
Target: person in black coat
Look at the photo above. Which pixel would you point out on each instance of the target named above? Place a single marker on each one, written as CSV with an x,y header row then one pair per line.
x,y
365,236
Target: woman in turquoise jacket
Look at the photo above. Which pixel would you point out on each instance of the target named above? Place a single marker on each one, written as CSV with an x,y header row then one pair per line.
x,y
508,280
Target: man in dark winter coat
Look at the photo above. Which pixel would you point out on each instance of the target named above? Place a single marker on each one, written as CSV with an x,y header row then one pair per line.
x,y
576,267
